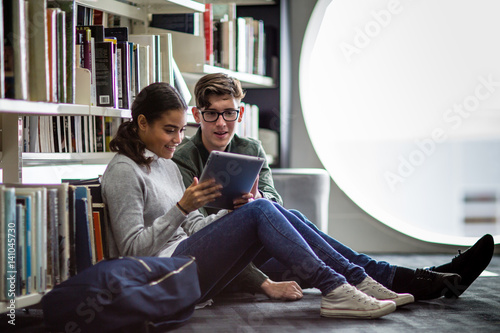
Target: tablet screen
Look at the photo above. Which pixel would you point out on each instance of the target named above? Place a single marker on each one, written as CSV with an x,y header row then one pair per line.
x,y
235,172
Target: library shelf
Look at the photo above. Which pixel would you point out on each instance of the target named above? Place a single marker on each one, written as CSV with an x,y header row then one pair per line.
x,y
22,301
37,159
247,80
54,109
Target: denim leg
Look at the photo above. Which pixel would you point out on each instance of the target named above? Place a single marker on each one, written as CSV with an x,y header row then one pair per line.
x,y
223,248
381,271
354,274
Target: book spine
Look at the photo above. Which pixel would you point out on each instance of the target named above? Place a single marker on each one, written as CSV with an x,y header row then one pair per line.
x,y
2,55
9,276
52,54
104,72
208,27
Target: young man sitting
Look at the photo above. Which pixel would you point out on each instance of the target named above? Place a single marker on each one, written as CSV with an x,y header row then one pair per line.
x,y
217,110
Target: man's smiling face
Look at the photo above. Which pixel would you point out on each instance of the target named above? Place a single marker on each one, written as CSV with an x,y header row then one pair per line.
x,y
217,135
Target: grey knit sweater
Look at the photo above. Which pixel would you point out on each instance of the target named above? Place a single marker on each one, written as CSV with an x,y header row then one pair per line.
x,y
144,218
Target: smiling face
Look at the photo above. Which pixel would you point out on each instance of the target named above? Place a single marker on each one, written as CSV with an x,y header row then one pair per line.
x,y
163,135
217,135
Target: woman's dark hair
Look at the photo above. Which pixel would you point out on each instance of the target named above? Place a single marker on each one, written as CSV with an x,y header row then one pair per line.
x,y
152,102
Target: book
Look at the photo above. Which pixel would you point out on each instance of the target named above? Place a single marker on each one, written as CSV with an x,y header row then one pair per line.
x,y
122,64
53,263
83,250
27,198
96,220
2,57
62,51
69,8
85,57
15,50
38,52
143,67
63,228
72,230
9,201
52,53
153,55
241,49
20,251
25,201
228,47
97,31
105,73
208,30
100,138
83,192
181,22
259,48
3,245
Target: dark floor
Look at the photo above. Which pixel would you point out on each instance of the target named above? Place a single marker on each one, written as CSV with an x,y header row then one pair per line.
x,y
477,310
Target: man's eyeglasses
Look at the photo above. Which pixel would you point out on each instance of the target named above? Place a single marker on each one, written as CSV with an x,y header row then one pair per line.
x,y
212,116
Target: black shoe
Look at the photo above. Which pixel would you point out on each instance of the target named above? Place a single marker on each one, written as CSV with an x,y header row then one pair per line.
x,y
468,264
426,284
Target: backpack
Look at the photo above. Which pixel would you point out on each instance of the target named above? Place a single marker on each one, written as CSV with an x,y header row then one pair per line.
x,y
126,294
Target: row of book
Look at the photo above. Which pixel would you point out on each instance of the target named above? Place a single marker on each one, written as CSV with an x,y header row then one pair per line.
x,y
235,43
48,43
68,134
47,234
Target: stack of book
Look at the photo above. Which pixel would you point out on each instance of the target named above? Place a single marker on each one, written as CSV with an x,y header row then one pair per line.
x,y
68,134
47,234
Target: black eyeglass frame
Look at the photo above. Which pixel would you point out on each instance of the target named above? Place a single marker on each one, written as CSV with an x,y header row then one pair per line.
x,y
220,114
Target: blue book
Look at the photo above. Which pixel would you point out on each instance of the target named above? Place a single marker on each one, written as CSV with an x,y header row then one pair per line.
x,y
82,235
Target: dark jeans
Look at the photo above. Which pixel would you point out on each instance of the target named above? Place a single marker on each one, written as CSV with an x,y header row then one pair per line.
x,y
223,248
381,271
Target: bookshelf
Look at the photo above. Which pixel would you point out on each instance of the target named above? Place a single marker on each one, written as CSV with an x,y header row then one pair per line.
x,y
137,14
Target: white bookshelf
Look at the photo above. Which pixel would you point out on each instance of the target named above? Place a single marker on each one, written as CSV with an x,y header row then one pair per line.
x,y
22,301
247,80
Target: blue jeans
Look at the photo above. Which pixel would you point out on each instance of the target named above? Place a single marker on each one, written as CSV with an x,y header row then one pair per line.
x,y
223,248
381,271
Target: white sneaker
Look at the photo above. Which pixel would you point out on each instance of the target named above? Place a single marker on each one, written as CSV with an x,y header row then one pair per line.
x,y
348,302
374,289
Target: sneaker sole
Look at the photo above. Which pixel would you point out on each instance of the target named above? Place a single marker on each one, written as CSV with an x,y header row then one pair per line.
x,y
400,301
358,314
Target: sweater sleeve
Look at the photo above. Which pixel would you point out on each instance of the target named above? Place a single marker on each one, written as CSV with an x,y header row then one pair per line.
x,y
124,199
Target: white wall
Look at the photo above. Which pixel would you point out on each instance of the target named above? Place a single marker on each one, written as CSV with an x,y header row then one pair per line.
x,y
347,222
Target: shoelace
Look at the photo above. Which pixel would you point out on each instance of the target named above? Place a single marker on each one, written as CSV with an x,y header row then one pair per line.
x,y
374,285
458,257
423,274
361,296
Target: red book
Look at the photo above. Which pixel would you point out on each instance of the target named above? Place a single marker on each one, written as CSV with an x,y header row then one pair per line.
x,y
208,26
97,235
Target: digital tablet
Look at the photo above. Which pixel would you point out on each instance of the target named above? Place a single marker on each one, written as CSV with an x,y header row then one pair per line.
x,y
235,172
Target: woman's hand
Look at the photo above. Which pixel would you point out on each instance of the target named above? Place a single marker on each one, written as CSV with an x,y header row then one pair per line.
x,y
199,194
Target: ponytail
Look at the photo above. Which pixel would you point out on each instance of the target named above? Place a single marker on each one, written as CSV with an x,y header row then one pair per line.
x,y
152,102
127,142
